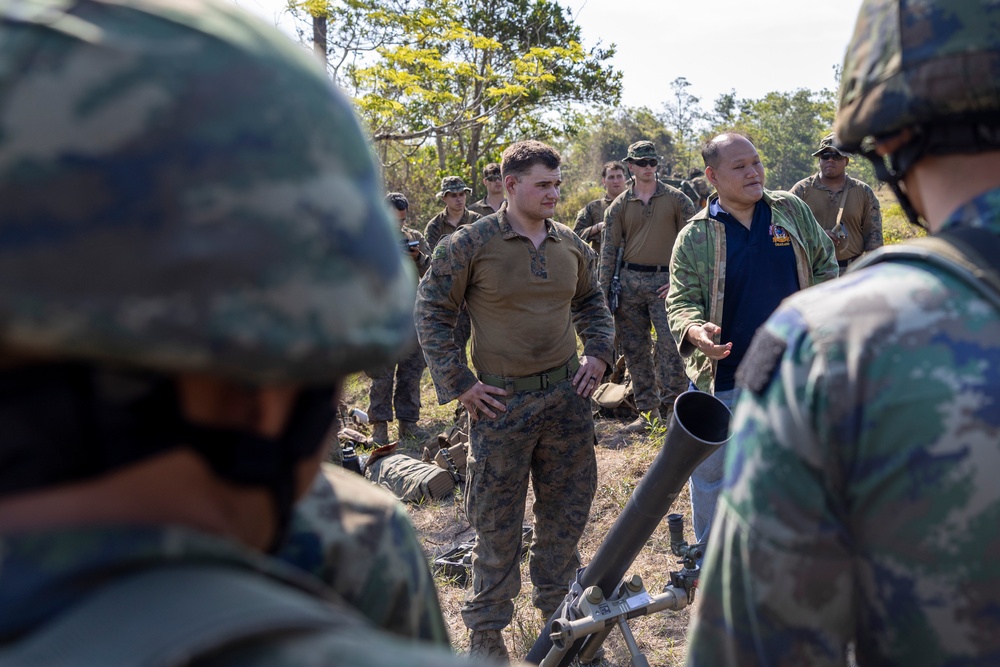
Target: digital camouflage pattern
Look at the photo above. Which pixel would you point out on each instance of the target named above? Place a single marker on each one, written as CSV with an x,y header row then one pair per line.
x,y
438,227
548,433
648,229
356,538
862,219
642,149
861,501
203,235
43,572
937,59
654,365
452,184
698,272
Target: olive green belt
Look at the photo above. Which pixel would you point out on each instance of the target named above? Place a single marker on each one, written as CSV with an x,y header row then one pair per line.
x,y
533,382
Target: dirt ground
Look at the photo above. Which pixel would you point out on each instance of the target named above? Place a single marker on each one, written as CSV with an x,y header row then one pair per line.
x,y
621,462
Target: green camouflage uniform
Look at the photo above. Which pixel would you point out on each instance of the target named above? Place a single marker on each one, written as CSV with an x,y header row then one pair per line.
x,y
698,273
861,501
45,572
587,217
657,371
439,228
218,212
406,372
547,433
356,538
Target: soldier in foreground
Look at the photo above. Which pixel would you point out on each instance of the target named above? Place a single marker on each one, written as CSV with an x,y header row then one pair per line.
x,y
528,282
590,219
861,500
405,373
844,206
176,324
645,220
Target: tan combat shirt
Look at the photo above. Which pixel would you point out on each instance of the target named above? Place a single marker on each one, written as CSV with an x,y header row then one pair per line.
x,y
423,260
526,304
482,208
438,227
862,218
649,229
587,217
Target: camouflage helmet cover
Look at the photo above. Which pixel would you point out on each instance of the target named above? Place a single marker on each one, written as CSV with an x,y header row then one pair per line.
x,y
642,150
181,188
915,61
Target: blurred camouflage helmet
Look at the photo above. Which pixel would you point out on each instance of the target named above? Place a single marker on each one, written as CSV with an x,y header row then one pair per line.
x,y
642,150
452,184
183,189
921,64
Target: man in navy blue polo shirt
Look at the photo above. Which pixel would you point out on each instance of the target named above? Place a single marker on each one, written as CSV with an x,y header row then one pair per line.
x,y
740,256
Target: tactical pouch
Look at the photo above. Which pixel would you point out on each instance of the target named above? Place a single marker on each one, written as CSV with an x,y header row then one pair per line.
x,y
410,480
615,400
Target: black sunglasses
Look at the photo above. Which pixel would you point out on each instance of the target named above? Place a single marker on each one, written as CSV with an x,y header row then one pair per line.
x,y
645,163
831,156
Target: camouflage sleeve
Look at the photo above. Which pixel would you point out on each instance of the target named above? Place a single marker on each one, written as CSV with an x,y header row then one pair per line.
x,y
358,540
778,585
424,259
685,211
439,298
591,317
583,222
432,233
612,238
871,227
690,285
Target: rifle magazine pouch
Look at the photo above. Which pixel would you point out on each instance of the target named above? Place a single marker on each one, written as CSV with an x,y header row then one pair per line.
x,y
410,480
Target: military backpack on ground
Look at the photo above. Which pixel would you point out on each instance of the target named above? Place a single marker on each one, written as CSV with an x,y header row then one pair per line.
x,y
410,480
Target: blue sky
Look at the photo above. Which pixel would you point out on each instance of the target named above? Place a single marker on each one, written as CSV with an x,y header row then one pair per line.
x,y
718,45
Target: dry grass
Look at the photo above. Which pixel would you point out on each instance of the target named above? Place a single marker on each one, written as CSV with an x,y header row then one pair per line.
x,y
621,463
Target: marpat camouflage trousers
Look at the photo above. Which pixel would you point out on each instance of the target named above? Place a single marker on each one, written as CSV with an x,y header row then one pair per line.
x,y
406,399
548,435
639,309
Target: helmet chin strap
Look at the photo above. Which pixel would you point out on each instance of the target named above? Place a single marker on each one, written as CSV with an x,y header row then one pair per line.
x,y
247,459
893,178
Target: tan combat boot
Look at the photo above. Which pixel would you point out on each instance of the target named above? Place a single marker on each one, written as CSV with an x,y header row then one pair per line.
x,y
380,433
488,644
640,425
410,430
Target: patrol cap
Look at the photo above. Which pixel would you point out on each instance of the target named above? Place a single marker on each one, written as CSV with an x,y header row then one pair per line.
x,y
915,63
642,150
452,184
826,146
182,189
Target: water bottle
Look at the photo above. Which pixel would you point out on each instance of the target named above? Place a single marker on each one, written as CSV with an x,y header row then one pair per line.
x,y
351,461
359,416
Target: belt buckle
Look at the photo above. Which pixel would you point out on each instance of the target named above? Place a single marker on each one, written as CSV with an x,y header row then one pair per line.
x,y
544,379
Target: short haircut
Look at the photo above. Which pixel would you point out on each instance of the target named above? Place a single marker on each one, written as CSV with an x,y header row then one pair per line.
x,y
397,200
492,169
613,164
710,150
519,158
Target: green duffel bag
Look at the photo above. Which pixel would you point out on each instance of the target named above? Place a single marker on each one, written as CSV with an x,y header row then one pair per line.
x,y
410,480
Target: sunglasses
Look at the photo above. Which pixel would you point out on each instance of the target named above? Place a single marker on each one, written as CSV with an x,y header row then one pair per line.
x,y
831,156
492,178
645,163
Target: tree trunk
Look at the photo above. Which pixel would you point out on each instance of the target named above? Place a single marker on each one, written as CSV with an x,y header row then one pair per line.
x,y
319,38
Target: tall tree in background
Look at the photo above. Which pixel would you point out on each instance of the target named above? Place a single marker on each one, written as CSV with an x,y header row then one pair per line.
x,y
447,83
683,115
